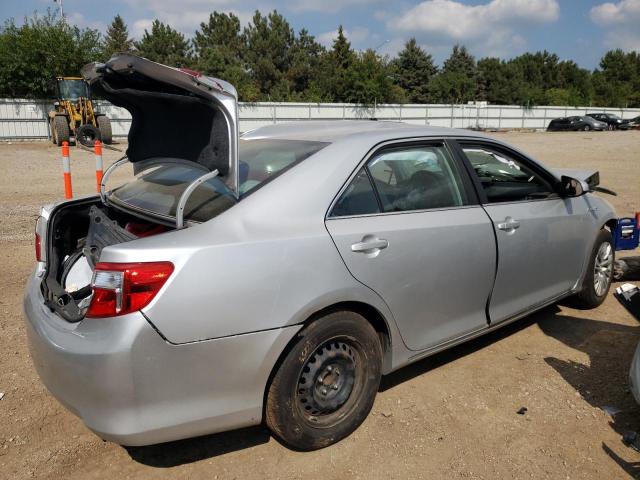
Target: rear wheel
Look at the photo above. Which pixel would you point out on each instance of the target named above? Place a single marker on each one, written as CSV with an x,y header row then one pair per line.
x,y
61,128
325,386
599,274
104,125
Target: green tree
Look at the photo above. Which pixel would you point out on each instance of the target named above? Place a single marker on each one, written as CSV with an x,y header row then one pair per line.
x,y
337,69
499,82
304,68
219,50
269,41
413,71
165,45
456,82
617,81
33,53
117,38
369,81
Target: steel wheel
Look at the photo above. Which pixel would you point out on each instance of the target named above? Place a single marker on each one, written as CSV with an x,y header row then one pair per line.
x,y
602,268
327,381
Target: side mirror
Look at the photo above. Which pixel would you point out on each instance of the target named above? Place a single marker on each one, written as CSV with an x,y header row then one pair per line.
x,y
571,187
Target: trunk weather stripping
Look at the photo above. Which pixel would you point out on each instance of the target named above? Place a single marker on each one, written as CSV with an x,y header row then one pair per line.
x,y
187,193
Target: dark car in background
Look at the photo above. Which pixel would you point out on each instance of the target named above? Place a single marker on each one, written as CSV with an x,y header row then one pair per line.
x,y
632,123
575,123
614,122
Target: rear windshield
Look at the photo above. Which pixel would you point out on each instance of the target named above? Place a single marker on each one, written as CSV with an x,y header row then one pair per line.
x,y
157,190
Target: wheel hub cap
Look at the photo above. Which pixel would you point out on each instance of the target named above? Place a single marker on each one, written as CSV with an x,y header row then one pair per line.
x,y
327,379
602,269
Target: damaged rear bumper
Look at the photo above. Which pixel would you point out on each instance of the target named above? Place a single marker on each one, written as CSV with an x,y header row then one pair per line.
x,y
132,387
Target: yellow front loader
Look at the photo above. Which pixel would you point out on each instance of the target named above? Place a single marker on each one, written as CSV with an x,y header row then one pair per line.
x,y
74,118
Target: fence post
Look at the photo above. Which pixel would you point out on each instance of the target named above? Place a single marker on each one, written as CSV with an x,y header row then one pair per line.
x,y
66,169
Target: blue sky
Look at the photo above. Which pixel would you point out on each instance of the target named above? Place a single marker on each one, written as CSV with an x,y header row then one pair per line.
x,y
581,30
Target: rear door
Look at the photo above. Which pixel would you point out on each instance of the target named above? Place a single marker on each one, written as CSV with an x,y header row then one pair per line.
x,y
541,236
409,227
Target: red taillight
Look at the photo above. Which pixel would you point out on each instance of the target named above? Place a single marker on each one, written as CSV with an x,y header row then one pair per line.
x,y
38,248
120,288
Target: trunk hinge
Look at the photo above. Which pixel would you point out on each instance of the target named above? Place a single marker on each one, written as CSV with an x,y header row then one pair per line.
x,y
187,193
107,174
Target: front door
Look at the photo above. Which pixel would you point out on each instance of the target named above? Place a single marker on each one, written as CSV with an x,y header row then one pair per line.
x,y
540,235
409,228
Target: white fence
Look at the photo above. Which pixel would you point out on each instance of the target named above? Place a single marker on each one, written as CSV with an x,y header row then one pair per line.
x,y
27,119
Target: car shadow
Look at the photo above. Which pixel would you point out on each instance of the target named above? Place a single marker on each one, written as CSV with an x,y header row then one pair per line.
x,y
434,361
603,380
180,452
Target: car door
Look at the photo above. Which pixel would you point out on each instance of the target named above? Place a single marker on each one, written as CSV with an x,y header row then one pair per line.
x,y
409,227
541,236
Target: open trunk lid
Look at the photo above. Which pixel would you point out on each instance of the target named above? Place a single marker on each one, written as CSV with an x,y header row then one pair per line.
x,y
175,113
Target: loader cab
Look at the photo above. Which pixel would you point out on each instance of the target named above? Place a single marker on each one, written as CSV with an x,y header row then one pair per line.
x,y
71,88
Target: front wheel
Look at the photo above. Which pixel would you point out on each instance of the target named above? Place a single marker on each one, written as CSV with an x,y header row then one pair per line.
x,y
586,128
325,386
599,274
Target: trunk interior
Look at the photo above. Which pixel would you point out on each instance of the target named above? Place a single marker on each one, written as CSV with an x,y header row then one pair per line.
x,y
77,233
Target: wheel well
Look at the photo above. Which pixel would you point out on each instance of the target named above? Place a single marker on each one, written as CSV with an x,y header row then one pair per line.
x,y
610,225
371,314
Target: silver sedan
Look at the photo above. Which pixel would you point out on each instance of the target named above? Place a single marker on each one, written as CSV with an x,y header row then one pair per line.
x,y
275,276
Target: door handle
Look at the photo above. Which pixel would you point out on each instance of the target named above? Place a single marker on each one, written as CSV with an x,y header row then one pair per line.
x,y
509,224
370,245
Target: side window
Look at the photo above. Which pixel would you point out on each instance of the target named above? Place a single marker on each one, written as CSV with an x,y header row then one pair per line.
x,y
417,178
504,178
358,199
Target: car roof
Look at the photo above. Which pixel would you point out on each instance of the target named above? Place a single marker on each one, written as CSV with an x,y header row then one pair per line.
x,y
337,130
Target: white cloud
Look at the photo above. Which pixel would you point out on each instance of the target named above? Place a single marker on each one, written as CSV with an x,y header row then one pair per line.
x,y
490,28
623,12
328,6
621,22
81,21
186,15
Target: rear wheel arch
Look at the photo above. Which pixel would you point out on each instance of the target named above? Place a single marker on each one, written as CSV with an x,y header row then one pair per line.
x,y
370,313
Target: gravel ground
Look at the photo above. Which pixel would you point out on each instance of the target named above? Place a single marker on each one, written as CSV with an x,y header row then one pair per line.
x,y
449,416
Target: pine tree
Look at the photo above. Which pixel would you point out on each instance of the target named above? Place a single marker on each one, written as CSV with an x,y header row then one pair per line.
x,y
413,70
456,83
219,50
268,41
117,38
165,45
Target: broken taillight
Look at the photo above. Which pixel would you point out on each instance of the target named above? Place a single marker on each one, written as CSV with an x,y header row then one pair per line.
x,y
121,288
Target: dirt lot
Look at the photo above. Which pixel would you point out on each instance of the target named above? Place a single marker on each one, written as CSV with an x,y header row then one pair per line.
x,y
452,415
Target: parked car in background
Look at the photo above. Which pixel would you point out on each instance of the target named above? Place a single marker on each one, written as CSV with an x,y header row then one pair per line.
x,y
275,277
632,123
575,124
613,122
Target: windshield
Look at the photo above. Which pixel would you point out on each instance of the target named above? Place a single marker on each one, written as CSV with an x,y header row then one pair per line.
x,y
157,189
73,89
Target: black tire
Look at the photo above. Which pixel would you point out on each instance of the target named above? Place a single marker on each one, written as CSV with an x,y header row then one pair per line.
x,y
52,131
61,126
586,128
104,125
327,382
87,135
589,297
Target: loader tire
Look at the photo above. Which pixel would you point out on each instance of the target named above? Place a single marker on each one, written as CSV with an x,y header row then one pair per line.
x,y
61,128
87,135
104,125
